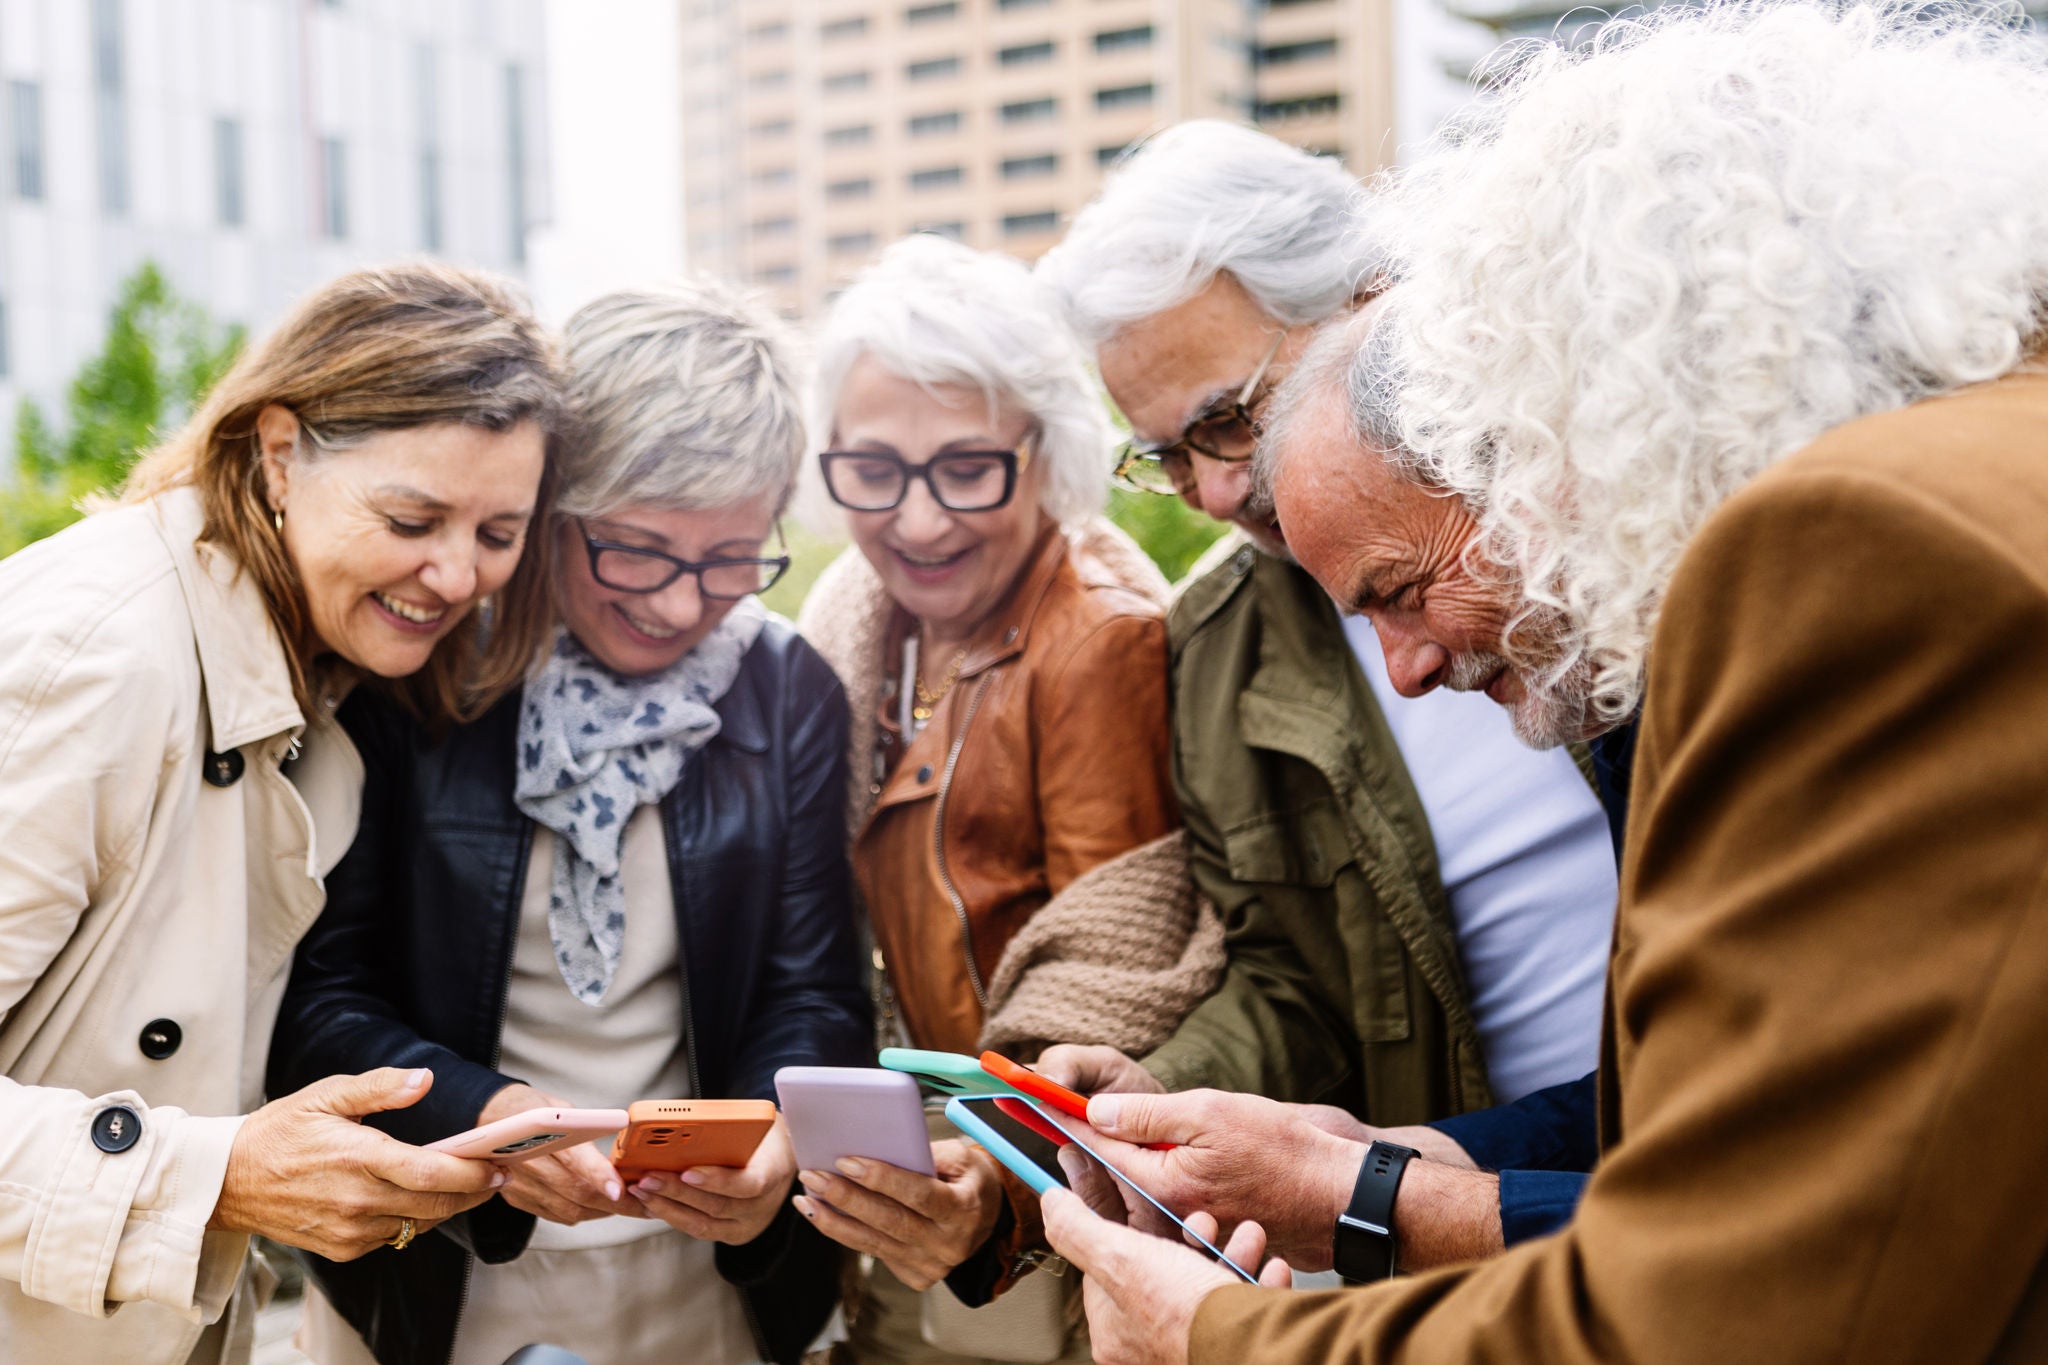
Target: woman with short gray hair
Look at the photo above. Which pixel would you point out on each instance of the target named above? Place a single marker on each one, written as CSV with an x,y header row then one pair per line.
x,y
627,882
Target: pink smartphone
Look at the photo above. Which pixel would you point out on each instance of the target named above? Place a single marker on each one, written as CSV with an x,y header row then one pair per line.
x,y
861,1111
520,1137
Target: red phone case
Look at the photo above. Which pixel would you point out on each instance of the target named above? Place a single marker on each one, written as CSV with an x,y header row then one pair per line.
x,y
1067,1101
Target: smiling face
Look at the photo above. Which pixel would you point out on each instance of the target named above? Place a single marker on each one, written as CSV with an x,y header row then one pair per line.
x,y
395,540
635,633
948,569
1173,367
1394,551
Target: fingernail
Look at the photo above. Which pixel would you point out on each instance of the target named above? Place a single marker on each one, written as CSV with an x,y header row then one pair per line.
x,y
648,1185
498,1179
803,1206
813,1182
690,1177
849,1166
639,1194
418,1078
1102,1111
611,1190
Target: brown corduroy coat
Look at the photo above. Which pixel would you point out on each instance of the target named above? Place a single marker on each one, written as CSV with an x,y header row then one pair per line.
x,y
1824,1109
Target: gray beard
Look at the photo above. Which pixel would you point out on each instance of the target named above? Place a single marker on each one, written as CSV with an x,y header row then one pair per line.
x,y
1549,714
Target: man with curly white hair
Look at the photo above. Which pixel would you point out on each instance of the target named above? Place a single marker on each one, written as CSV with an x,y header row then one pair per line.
x,y
1713,384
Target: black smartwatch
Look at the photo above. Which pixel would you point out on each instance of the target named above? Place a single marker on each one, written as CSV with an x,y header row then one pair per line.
x,y
1365,1248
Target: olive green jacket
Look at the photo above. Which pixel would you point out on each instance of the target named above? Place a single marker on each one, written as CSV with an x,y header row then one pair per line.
x,y
1344,985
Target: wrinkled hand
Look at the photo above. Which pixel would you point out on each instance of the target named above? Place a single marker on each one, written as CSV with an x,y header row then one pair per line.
x,y
1141,1292
918,1226
1093,1070
568,1185
1241,1158
726,1204
306,1172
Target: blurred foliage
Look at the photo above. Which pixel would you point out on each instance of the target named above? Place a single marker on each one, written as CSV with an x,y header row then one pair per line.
x,y
809,553
161,354
1172,532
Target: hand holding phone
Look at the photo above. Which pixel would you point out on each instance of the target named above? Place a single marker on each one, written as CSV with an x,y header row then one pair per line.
x,y
1031,1085
524,1136
853,1111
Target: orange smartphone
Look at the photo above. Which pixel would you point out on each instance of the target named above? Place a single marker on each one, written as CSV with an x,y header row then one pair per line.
x,y
1025,1081
674,1135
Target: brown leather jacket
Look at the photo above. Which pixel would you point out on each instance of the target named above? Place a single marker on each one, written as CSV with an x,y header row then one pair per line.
x,y
1048,756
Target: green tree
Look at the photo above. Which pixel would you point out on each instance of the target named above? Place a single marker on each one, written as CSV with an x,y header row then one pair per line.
x,y
162,353
1170,531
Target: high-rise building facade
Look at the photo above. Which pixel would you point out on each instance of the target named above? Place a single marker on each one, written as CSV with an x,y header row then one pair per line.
x,y
251,148
816,131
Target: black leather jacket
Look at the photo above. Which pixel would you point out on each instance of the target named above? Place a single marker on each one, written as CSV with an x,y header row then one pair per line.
x,y
410,963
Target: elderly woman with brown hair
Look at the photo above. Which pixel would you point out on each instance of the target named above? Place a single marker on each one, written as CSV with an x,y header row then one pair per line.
x,y
173,789
1004,649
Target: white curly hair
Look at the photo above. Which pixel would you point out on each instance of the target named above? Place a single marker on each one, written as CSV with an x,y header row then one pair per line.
x,y
1653,266
936,312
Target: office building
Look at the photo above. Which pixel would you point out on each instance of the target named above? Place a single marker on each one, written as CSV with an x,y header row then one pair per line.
x,y
816,131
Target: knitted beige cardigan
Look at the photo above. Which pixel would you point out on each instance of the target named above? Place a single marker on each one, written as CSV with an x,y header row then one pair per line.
x,y
1120,956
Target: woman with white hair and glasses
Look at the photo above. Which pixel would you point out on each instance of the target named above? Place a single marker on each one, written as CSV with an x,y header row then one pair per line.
x,y
628,881
1004,650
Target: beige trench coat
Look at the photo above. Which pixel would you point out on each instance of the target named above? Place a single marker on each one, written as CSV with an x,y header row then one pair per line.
x,y
133,890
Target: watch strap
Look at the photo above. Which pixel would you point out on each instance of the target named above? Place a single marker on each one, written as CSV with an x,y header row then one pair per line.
x,y
1364,1246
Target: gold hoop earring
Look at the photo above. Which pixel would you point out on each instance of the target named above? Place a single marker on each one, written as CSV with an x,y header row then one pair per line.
x,y
277,520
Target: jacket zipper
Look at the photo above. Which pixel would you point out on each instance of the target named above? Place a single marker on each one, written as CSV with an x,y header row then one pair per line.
x,y
525,859
939,842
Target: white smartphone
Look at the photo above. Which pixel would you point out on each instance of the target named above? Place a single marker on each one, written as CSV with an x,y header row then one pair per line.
x,y
521,1137
857,1111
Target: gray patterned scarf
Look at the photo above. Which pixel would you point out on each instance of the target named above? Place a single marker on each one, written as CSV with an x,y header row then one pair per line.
x,y
593,748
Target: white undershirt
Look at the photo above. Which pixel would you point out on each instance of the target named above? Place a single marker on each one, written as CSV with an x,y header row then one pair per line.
x,y
1526,859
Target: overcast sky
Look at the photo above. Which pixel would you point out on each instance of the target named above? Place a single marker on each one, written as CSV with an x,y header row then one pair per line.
x,y
616,154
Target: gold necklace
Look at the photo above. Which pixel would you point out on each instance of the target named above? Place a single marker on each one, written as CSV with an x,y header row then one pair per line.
x,y
927,702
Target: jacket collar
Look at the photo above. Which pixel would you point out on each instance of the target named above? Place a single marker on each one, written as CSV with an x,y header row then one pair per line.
x,y
241,660
1008,628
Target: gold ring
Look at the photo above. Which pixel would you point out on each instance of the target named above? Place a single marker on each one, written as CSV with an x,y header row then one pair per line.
x,y
404,1237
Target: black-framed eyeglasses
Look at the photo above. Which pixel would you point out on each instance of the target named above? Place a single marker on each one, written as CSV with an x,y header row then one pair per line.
x,y
1229,433
959,480
635,568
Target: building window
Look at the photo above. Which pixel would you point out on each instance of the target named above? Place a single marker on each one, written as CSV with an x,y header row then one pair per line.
x,y
771,127
773,177
1021,4
1024,224
1124,39
227,171
333,188
775,274
841,82
931,125
933,68
768,80
1301,106
1106,155
515,158
1124,96
955,230
927,14
1030,111
1024,54
844,28
427,109
110,105
772,227
850,189
1286,54
853,135
850,243
767,33
25,111
936,178
1030,167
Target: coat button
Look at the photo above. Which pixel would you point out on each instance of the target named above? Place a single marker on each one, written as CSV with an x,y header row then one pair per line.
x,y
160,1038
924,774
223,770
116,1129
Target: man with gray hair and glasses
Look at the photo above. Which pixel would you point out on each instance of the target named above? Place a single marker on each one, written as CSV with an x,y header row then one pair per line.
x,y
1418,906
